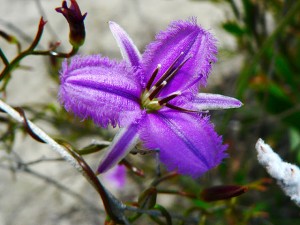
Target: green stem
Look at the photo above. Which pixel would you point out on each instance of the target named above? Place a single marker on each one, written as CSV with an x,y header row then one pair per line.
x,y
165,213
16,61
3,57
57,54
235,9
166,177
114,208
30,51
174,192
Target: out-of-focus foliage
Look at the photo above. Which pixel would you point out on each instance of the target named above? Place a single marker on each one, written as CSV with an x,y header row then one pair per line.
x,y
267,34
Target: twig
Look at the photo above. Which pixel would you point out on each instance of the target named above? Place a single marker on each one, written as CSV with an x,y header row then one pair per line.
x,y
157,213
3,57
43,136
114,208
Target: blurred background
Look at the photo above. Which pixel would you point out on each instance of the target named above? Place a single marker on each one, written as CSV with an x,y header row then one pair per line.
x,y
258,63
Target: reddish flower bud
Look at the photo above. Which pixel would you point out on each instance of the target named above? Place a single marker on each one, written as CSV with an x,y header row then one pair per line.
x,y
75,19
222,192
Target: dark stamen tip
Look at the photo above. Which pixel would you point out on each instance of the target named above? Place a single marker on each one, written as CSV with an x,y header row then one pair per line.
x,y
179,108
154,74
169,70
165,100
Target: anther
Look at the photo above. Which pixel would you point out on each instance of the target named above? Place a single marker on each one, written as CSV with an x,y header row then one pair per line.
x,y
169,70
167,79
157,90
179,108
154,74
169,98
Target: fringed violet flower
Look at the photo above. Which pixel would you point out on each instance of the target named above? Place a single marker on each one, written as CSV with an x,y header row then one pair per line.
x,y
153,97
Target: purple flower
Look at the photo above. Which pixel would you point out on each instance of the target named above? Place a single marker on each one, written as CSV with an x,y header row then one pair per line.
x,y
153,97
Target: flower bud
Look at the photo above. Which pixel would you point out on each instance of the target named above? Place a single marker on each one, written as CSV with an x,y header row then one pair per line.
x,y
75,19
222,192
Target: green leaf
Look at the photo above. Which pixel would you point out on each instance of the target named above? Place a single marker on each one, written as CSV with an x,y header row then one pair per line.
x,y
295,142
233,28
275,100
202,204
283,69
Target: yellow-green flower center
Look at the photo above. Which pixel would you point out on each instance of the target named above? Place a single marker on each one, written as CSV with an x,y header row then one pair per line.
x,y
148,104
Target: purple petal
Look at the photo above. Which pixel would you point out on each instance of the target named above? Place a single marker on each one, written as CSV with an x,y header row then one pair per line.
x,y
128,49
204,101
99,88
123,142
187,142
188,39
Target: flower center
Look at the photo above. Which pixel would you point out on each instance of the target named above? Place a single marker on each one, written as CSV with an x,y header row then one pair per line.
x,y
150,99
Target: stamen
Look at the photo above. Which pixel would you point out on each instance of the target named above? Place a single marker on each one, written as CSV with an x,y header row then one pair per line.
x,y
167,73
154,74
167,79
169,98
179,108
177,69
157,90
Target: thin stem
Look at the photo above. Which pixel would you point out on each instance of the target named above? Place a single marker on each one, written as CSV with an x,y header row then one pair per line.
x,y
235,9
43,14
156,212
73,51
132,168
42,135
166,177
113,207
30,51
43,159
38,35
175,192
165,213
16,61
3,57
11,40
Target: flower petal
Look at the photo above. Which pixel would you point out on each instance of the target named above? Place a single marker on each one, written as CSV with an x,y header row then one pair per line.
x,y
99,88
128,49
116,177
188,39
204,101
123,142
187,142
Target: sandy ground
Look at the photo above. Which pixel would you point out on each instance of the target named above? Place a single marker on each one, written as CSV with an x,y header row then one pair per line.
x,y
26,198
